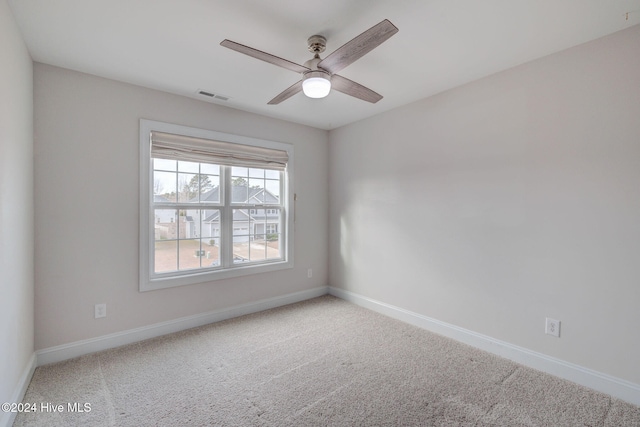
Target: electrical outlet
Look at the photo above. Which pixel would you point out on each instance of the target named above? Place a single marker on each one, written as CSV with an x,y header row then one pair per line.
x,y
552,327
309,273
100,311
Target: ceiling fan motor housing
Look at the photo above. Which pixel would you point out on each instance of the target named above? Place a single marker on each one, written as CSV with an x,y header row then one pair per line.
x,y
316,74
317,44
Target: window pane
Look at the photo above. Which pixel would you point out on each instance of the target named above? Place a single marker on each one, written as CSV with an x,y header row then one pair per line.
x,y
164,187
271,229
201,185
239,190
256,235
273,217
190,254
241,235
272,234
211,254
210,237
271,174
188,186
190,224
207,182
238,171
210,227
241,223
237,259
182,225
209,169
272,195
256,190
188,166
273,246
256,173
164,224
257,249
274,231
166,256
258,221
256,183
240,250
240,185
209,188
167,165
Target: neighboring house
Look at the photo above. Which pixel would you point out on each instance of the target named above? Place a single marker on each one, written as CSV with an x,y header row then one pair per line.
x,y
163,216
164,222
248,224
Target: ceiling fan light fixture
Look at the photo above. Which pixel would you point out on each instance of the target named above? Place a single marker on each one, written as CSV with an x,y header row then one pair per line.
x,y
316,84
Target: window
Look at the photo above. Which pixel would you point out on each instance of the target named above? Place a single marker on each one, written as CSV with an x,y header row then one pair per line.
x,y
212,205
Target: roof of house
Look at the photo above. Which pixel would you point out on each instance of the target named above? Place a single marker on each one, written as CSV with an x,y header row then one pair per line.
x,y
245,195
242,194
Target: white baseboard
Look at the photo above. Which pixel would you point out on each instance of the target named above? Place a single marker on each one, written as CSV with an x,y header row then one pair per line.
x,y
613,386
7,418
80,348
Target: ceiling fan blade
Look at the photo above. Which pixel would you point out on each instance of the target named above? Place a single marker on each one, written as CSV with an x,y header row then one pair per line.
x,y
358,47
344,85
267,57
287,93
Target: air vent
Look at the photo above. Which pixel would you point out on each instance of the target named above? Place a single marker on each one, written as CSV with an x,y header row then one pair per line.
x,y
213,95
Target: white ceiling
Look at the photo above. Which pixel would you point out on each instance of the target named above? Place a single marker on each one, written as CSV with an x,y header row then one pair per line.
x,y
174,45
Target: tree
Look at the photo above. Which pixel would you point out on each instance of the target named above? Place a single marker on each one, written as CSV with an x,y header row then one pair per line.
x,y
197,183
157,186
239,181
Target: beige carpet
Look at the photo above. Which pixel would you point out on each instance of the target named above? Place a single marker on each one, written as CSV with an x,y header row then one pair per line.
x,y
323,362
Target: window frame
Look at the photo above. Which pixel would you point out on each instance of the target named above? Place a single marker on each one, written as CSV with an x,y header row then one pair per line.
x,y
150,280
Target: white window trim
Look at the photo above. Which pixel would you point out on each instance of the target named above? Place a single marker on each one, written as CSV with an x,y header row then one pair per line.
x,y
147,282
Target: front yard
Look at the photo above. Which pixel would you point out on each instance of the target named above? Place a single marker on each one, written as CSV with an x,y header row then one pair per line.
x,y
168,252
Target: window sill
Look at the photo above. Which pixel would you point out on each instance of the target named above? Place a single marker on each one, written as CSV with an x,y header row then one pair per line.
x,y
152,284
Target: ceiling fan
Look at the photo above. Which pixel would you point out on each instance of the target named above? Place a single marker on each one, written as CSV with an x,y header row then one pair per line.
x,y
319,75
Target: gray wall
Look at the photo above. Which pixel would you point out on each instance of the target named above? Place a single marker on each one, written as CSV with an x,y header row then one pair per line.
x,y
505,201
86,198
16,206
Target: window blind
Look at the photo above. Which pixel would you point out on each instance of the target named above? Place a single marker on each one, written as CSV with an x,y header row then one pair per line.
x,y
193,149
